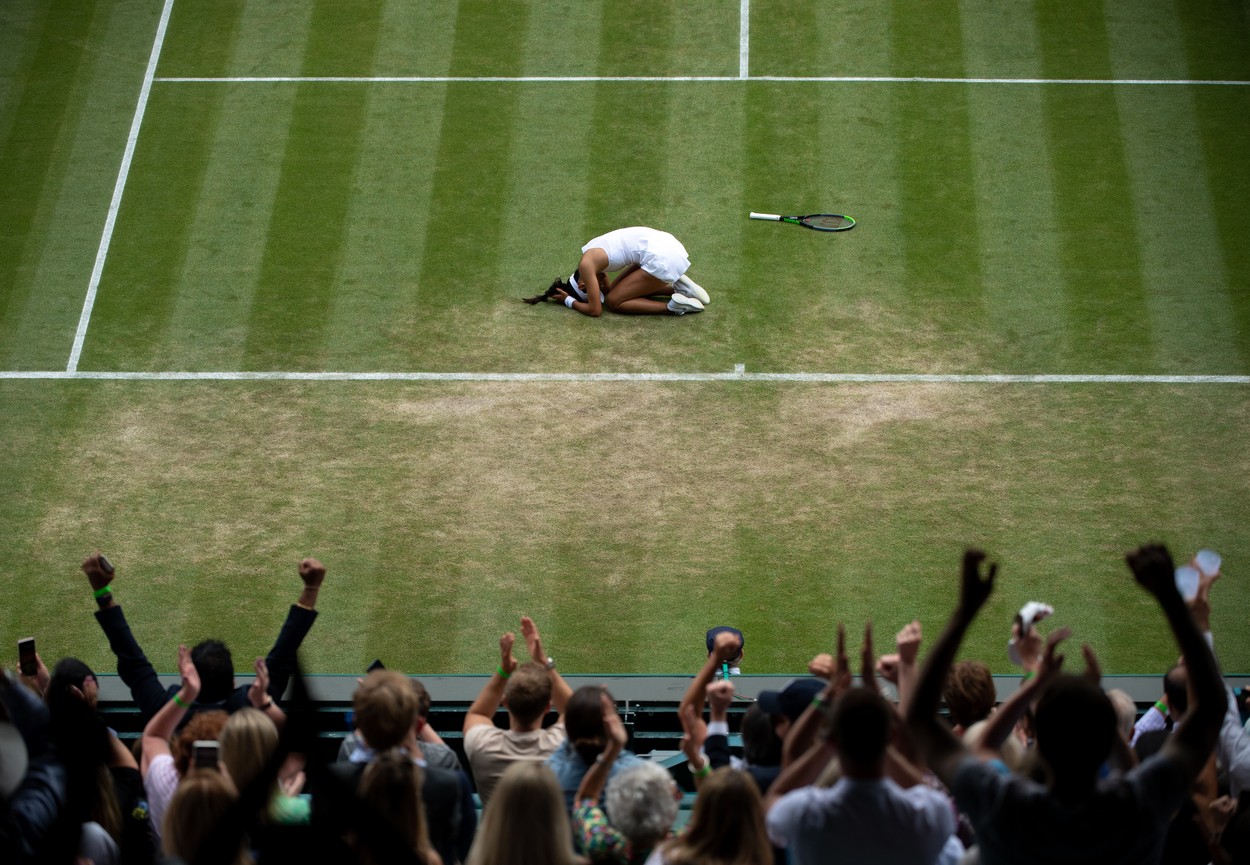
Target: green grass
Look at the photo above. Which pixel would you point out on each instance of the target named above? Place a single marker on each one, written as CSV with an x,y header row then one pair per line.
x,y
363,227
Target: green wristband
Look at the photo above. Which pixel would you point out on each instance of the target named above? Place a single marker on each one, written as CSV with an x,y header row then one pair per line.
x,y
99,593
1161,706
178,702
1029,675
819,702
704,772
502,674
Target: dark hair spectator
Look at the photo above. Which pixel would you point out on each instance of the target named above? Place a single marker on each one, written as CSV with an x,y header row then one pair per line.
x,y
587,739
969,693
391,789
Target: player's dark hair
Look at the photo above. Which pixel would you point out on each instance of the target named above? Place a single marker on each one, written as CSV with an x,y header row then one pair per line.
x,y
216,668
557,285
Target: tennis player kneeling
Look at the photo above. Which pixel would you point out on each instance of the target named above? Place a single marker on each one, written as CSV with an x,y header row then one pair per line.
x,y
648,264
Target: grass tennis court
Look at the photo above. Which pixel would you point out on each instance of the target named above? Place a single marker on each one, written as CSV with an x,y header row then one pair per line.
x,y
367,189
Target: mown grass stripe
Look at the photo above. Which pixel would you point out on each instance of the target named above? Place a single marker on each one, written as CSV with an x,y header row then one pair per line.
x,y
935,167
294,296
628,175
44,110
1107,317
151,237
1222,37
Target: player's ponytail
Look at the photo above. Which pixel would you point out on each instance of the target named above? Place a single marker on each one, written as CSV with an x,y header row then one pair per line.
x,y
557,285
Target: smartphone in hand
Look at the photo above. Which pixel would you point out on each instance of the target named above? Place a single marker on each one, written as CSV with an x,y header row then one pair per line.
x,y
26,659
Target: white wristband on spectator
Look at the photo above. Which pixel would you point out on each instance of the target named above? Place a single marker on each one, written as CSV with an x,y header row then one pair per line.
x,y
568,301
718,728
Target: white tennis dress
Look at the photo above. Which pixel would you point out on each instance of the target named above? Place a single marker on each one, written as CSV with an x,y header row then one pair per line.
x,y
657,252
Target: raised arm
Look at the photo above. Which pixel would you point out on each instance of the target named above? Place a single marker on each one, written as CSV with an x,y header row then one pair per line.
x,y
940,750
725,649
803,731
596,777
1002,722
487,703
158,731
560,690
907,645
1195,735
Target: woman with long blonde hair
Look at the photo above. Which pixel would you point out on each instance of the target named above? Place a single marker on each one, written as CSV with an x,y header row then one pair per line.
x,y
726,827
196,812
525,822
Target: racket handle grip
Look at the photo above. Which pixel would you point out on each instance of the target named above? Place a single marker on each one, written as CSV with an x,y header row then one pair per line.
x,y
773,216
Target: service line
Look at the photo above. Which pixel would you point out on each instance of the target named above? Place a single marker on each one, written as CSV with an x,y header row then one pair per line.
x,y
739,374
595,79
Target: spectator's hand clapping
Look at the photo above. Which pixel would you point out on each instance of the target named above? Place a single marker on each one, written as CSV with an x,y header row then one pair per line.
x,y
617,736
533,641
190,688
258,691
506,661
867,660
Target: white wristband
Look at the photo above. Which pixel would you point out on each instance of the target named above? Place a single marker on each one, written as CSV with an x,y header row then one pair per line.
x,y
568,301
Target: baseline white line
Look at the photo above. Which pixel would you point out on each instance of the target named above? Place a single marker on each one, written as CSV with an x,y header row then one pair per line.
x,y
739,374
744,38
785,79
106,239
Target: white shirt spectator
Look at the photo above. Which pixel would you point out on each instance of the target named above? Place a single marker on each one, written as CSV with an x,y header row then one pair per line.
x,y
160,783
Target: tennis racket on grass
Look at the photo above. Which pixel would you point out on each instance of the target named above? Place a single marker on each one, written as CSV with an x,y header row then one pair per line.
x,y
814,221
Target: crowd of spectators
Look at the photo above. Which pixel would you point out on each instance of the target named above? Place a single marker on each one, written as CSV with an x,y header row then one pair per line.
x,y
916,764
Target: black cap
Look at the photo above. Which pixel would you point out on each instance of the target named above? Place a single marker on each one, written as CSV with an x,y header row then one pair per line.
x,y
792,699
724,629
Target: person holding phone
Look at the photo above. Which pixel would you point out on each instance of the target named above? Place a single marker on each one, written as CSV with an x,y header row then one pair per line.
x,y
648,263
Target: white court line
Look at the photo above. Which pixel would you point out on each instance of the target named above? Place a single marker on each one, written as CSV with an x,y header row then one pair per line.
x,y
744,38
594,79
107,238
739,374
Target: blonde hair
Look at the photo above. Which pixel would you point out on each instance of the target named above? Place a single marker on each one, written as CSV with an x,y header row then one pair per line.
x,y
727,825
195,812
525,822
247,742
391,787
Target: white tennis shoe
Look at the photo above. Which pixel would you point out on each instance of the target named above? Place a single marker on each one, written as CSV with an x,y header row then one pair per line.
x,y
679,304
687,287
